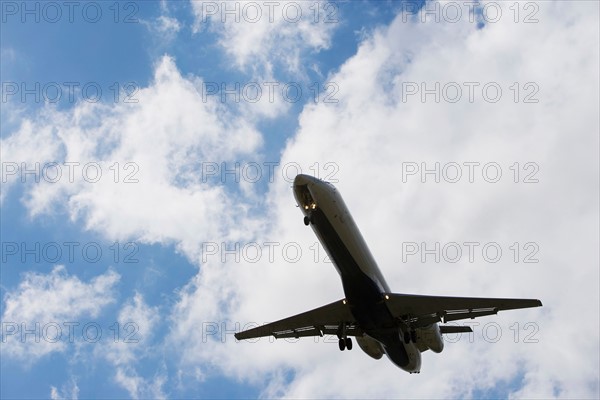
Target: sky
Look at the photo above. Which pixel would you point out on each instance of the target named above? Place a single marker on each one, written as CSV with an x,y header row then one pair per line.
x,y
148,150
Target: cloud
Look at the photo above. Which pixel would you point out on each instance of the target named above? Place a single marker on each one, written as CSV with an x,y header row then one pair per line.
x,y
147,156
164,27
36,311
260,36
143,155
68,391
168,25
138,321
377,127
369,135
138,387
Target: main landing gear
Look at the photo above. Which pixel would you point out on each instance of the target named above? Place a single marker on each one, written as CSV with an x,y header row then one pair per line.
x,y
345,343
410,336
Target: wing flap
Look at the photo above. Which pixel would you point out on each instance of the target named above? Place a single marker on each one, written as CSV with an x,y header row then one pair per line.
x,y
455,315
298,333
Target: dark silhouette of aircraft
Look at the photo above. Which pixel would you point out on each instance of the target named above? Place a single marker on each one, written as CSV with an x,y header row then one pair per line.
x,y
400,326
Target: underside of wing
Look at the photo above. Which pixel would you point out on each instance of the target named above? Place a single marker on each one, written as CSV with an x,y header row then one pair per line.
x,y
323,320
423,310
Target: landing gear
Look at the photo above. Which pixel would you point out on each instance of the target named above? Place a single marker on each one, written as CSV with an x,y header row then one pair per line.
x,y
410,336
413,336
345,343
308,219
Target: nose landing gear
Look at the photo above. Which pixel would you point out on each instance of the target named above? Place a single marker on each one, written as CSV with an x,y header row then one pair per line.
x,y
308,219
309,207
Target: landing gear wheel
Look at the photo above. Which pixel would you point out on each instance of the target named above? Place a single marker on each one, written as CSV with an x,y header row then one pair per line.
x,y
406,337
306,220
342,344
349,343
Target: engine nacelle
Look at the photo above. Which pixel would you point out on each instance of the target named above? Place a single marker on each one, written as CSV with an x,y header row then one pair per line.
x,y
370,346
431,338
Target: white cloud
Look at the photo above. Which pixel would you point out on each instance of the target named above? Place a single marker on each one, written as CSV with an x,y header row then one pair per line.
x,y
369,134
269,42
39,307
138,387
164,27
168,25
68,391
165,137
258,35
137,321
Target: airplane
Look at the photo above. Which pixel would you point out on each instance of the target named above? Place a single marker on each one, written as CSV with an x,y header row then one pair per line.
x,y
401,326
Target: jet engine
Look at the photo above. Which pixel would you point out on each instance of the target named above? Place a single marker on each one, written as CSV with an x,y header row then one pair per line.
x,y
430,337
370,346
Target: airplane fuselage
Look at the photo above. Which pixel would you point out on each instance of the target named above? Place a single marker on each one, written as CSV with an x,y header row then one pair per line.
x,y
399,325
364,286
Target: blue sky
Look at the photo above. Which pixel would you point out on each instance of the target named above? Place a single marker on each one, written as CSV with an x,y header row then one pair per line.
x,y
165,278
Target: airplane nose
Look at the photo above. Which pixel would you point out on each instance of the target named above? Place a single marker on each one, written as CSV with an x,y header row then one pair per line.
x,y
303,180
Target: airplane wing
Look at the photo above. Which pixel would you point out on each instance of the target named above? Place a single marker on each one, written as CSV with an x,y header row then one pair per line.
x,y
317,322
415,310
420,311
